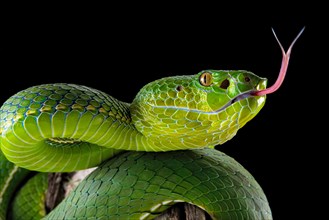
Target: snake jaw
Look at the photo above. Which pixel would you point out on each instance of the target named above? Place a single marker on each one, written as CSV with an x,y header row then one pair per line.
x,y
241,96
228,104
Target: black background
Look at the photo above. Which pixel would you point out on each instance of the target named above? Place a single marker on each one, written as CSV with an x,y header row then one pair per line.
x,y
119,51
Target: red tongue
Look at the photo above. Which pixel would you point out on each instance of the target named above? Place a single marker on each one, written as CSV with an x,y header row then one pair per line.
x,y
284,67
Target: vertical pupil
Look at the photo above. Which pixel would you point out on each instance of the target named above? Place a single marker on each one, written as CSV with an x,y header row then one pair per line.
x,y
205,79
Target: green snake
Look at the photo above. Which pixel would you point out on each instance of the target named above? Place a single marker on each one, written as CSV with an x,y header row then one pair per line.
x,y
151,154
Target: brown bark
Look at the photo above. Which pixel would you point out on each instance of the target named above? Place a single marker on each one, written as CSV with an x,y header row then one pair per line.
x,y
55,193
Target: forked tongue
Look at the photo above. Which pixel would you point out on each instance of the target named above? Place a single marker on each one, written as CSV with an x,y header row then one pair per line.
x,y
283,70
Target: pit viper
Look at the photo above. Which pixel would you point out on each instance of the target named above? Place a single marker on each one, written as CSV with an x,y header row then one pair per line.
x,y
151,153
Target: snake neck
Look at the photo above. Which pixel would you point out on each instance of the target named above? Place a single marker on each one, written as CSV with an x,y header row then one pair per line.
x,y
177,113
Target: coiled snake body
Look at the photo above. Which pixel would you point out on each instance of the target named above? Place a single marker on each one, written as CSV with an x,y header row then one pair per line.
x,y
160,145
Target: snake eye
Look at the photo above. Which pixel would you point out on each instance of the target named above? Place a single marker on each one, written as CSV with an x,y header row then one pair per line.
x,y
205,79
225,84
246,79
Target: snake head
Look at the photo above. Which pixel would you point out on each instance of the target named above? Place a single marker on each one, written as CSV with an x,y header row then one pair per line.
x,y
199,110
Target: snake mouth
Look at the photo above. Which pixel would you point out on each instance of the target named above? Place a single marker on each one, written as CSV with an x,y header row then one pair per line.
x,y
234,100
229,103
